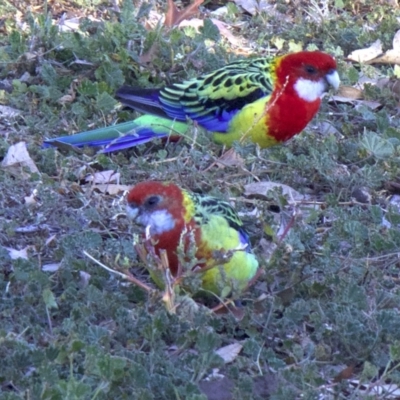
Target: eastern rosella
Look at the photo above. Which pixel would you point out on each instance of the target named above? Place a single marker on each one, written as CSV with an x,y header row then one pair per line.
x,y
171,214
266,100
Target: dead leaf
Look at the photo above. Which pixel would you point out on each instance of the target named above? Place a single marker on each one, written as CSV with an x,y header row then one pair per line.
x,y
220,12
225,32
254,213
50,239
278,42
17,158
344,374
54,267
390,57
31,200
350,92
70,97
66,99
294,46
174,16
150,54
229,159
262,189
230,352
9,112
392,84
15,254
286,296
387,391
69,25
268,249
376,389
367,54
73,24
373,105
152,20
195,23
84,278
27,229
104,177
328,128
223,28
111,188
254,7
396,41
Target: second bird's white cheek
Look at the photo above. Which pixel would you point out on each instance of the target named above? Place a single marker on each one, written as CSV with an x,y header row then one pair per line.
x,y
310,90
160,221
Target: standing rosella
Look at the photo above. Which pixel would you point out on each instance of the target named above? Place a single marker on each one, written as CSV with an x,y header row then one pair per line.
x,y
172,214
265,100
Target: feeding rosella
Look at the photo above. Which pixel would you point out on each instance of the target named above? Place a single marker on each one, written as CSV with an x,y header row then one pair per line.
x,y
173,215
265,100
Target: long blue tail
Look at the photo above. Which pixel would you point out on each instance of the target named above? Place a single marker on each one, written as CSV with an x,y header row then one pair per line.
x,y
122,136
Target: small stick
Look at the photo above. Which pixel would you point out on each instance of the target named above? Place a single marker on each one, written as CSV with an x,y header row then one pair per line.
x,y
129,277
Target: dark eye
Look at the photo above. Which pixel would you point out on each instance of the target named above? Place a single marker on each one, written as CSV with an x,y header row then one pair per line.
x,y
310,69
152,201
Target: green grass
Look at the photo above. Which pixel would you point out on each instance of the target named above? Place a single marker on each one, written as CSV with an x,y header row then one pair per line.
x,y
330,292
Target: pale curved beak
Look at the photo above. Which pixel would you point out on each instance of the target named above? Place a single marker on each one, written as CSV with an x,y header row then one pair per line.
x,y
332,77
132,211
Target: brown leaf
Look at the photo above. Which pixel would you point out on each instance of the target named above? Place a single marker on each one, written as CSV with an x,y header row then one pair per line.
x,y
350,92
390,57
174,16
344,374
373,105
286,296
229,159
224,31
150,54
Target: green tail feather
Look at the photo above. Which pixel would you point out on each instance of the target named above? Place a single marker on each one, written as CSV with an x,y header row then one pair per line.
x,y
122,136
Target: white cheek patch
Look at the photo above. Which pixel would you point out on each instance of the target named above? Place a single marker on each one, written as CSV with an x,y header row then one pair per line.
x,y
160,221
310,90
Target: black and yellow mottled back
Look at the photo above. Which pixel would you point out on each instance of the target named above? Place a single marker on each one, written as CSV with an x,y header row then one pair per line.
x,y
206,206
213,99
